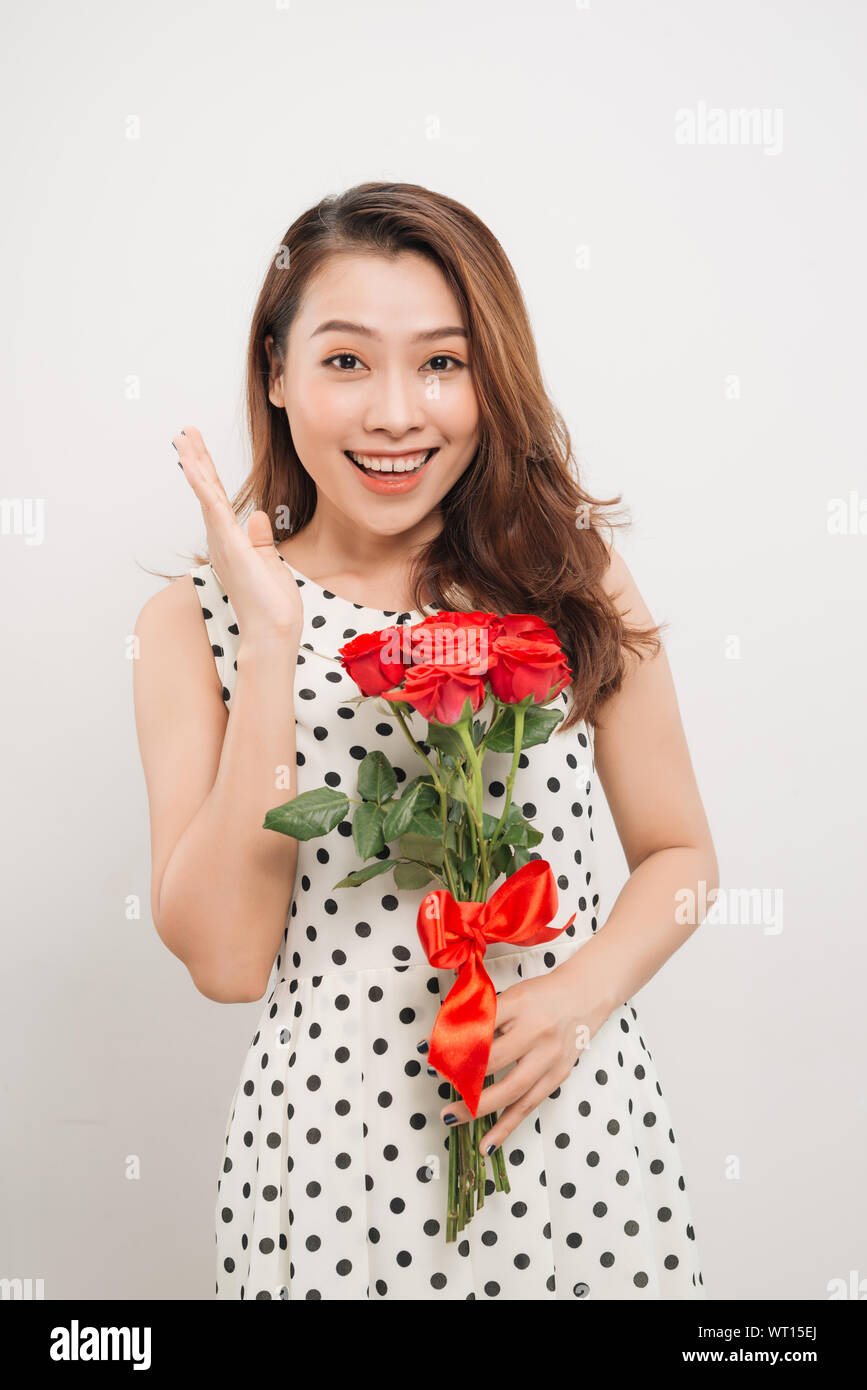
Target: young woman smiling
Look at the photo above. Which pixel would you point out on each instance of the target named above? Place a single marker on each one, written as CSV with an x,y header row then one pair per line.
x,y
406,459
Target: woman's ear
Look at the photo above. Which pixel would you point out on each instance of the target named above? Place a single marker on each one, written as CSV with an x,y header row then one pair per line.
x,y
275,372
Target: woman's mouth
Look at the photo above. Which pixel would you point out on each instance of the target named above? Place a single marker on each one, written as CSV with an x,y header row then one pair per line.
x,y
393,473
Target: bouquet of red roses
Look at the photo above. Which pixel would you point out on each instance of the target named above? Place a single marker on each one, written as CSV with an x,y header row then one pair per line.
x,y
447,667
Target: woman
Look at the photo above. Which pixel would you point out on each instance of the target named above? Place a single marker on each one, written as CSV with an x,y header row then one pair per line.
x,y
408,459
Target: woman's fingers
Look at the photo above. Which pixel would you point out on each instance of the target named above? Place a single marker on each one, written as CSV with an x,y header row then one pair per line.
x,y
259,532
191,447
509,1091
507,1045
504,1092
265,597
199,468
512,1115
221,524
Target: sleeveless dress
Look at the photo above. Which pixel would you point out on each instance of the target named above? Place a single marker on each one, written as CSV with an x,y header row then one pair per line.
x,y
334,1175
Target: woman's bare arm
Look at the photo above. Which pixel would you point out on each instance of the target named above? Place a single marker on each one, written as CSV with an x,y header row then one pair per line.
x,y
646,772
221,885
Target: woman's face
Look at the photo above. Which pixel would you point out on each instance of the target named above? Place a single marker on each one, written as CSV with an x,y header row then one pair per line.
x,y
389,382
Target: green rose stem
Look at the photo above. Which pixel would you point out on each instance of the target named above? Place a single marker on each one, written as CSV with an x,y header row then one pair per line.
x,y
470,1177
475,788
452,1204
478,1131
467,1171
459,1158
395,706
475,825
451,885
510,781
464,1164
498,1159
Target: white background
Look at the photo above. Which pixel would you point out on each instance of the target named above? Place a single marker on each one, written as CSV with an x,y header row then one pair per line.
x,y
129,272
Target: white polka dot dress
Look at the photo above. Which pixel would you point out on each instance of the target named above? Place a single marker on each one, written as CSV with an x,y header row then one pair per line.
x,y
333,1180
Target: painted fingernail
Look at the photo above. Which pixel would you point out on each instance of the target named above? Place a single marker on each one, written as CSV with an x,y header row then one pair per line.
x,y
490,1148
431,1071
422,1046
450,1119
174,446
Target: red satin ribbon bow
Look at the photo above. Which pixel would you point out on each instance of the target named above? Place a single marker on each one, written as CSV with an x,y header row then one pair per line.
x,y
455,936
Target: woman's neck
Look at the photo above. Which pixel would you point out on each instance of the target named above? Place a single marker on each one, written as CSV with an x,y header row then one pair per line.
x,y
374,573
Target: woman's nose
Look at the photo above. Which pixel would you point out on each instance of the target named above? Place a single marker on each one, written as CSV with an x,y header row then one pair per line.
x,y
396,401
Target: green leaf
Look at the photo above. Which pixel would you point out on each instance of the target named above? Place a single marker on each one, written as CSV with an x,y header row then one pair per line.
x,y
521,857
456,810
466,714
539,722
515,835
502,739
309,814
455,787
428,796
359,876
502,859
376,777
367,831
517,830
399,814
411,875
452,861
425,823
425,849
468,869
443,736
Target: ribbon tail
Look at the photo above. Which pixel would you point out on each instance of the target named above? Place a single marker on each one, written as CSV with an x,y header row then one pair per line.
x,y
461,1037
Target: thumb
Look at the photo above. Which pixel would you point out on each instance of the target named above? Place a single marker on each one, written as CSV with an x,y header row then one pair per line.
x,y
259,531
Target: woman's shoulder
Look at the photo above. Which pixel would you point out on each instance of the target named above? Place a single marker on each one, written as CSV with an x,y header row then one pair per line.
x,y
172,639
175,613
176,604
620,586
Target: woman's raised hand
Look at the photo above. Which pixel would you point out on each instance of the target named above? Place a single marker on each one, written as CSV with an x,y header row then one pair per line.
x,y
261,587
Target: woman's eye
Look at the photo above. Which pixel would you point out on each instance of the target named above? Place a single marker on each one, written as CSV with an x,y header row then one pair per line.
x,y
444,357
342,356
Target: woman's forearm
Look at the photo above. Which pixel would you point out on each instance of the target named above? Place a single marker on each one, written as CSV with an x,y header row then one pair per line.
x,y
228,885
645,926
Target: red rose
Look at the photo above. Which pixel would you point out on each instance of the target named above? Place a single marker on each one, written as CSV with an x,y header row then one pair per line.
x,y
462,641
363,659
527,666
439,692
527,625
474,619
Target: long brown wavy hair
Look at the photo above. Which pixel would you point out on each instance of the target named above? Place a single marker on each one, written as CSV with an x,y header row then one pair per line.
x,y
519,533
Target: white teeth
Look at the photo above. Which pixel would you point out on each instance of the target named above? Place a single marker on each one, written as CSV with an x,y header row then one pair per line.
x,y
408,463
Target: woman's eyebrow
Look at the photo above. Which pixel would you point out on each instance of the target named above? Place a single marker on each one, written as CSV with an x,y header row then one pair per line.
x,y
426,335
